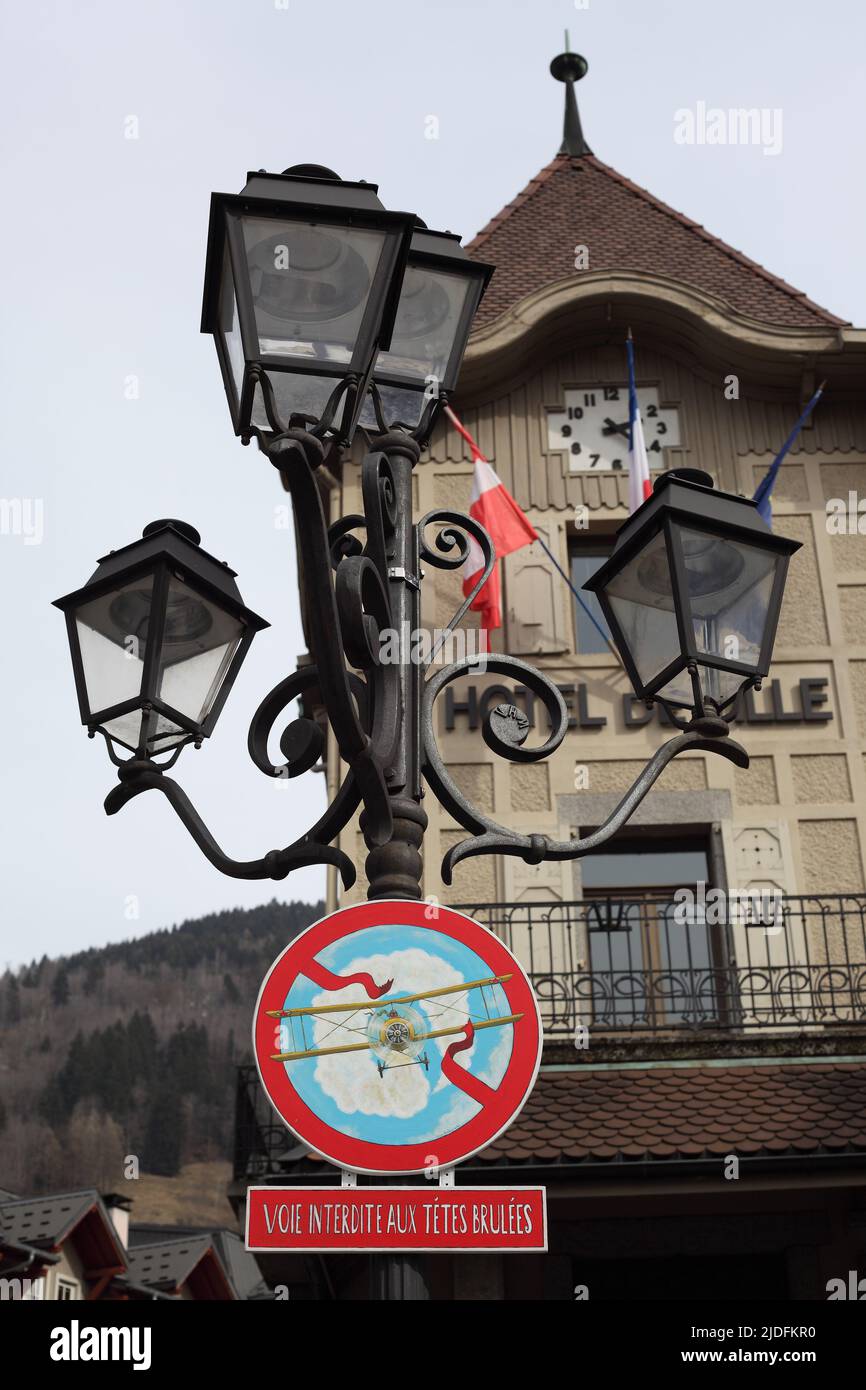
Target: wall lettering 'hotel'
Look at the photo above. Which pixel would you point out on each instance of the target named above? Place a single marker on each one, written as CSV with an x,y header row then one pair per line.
x,y
769,707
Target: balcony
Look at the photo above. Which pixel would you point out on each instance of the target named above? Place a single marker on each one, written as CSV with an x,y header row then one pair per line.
x,y
621,965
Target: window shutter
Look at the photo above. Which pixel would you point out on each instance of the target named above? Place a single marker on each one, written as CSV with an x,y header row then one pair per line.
x,y
535,615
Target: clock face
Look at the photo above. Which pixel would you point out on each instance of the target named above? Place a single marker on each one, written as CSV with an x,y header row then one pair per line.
x,y
593,427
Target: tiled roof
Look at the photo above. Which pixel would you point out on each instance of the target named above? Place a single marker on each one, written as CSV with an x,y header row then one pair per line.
x,y
581,201
167,1263
44,1221
240,1266
687,1112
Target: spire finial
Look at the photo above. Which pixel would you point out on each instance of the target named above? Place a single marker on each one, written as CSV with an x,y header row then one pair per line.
x,y
569,68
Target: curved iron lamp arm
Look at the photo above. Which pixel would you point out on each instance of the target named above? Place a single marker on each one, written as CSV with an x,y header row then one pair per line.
x,y
504,731
140,776
348,596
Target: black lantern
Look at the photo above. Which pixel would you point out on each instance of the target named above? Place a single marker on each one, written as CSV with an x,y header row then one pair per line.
x,y
302,284
157,637
441,291
692,593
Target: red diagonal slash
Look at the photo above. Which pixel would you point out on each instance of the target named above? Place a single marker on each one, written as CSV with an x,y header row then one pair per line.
x,y
326,979
459,1076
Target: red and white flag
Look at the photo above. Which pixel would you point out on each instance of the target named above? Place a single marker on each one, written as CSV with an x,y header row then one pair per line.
x,y
496,510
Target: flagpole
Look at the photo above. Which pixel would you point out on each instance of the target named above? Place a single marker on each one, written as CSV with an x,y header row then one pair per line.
x,y
588,611
765,486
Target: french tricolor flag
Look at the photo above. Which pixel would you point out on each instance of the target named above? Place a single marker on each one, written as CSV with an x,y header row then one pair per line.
x,y
496,510
639,482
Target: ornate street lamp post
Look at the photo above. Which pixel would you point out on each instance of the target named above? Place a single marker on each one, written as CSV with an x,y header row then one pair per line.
x,y
329,311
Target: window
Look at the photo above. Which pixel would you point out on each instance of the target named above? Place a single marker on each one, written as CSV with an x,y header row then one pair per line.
x,y
649,968
585,560
67,1290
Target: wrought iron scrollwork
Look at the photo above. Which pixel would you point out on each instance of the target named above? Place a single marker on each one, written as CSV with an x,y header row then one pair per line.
x,y
362,576
452,539
505,730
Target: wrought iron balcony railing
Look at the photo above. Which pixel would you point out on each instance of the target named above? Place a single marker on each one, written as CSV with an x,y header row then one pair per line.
x,y
621,964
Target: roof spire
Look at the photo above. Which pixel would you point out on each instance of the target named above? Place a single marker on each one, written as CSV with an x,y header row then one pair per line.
x,y
569,68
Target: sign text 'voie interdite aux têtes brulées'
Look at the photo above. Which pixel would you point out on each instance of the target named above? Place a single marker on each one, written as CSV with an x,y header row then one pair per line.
x,y
315,1219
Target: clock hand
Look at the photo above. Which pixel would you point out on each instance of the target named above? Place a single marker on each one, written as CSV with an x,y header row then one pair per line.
x,y
610,427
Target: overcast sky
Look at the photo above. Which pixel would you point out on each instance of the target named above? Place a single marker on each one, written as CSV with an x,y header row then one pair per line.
x,y
103,242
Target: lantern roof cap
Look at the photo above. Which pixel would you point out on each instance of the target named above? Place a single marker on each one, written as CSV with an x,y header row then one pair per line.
x,y
690,503
171,541
312,183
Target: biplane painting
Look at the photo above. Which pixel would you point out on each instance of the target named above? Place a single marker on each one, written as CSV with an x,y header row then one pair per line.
x,y
396,1036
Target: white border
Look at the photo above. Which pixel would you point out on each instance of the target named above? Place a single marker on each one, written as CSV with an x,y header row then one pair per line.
x,y
397,1172
398,1249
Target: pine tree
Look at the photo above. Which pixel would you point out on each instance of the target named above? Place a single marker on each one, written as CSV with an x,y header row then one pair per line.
x,y
163,1140
13,1001
60,988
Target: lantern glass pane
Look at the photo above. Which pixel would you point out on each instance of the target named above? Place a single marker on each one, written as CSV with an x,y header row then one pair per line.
x,y
716,685
294,394
399,406
730,584
230,326
112,637
428,318
310,285
198,645
126,729
641,596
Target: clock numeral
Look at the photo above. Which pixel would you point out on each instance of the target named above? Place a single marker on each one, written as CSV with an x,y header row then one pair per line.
x,y
656,447
565,431
589,398
593,459
575,448
611,393
661,427
575,412
616,463
652,411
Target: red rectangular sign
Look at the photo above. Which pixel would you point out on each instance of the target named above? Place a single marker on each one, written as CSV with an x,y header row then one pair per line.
x,y
396,1218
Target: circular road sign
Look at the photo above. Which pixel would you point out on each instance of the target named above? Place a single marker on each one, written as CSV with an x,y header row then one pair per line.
x,y
396,1037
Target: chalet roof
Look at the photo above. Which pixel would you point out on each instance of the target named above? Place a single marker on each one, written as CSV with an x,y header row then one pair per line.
x,y
240,1266
46,1221
168,1264
578,200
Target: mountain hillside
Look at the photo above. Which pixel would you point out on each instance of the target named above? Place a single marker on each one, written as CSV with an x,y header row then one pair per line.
x,y
120,1060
